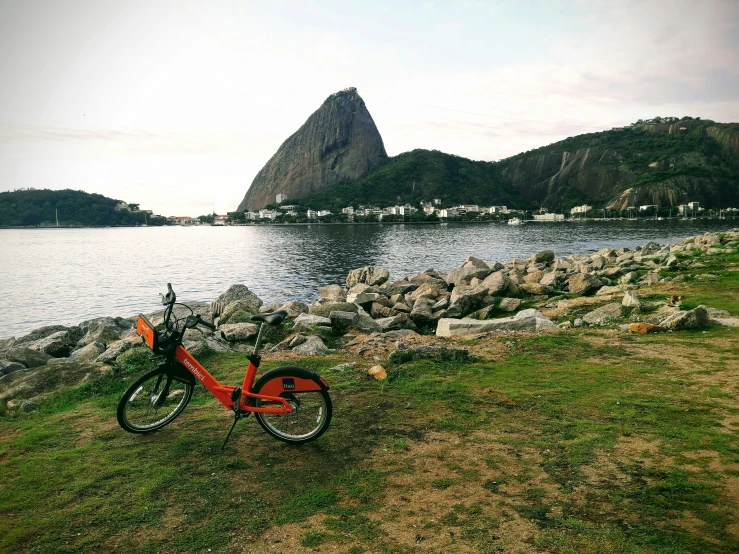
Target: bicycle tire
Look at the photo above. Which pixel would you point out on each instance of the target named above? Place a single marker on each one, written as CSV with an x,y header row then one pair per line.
x,y
141,407
309,420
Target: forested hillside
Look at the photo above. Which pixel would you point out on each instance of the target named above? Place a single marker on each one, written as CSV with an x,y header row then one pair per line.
x,y
74,207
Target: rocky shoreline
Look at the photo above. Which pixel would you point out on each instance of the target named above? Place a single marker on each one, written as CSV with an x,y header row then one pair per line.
x,y
533,295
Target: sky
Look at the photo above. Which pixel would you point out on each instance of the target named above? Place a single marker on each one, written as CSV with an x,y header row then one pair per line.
x,y
177,105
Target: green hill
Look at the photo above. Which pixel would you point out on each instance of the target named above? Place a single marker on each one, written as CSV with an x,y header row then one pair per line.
x,y
664,161
74,208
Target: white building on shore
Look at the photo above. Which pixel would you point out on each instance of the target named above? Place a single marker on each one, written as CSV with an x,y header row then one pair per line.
x,y
581,209
549,217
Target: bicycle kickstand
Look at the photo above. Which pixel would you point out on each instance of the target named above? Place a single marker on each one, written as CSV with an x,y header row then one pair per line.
x,y
237,417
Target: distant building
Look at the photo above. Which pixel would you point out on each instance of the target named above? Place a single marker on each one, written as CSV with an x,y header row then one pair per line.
x,y
549,217
122,206
694,206
449,213
287,207
281,198
252,216
220,220
268,214
581,209
312,214
648,206
470,208
497,209
348,210
428,210
323,213
180,220
437,201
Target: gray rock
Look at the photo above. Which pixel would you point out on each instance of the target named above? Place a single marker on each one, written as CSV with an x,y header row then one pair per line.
x,y
526,320
6,366
344,366
238,331
545,256
26,356
440,304
608,290
398,322
378,310
234,293
306,321
207,344
88,353
421,313
680,320
509,304
496,283
400,333
578,322
583,283
426,352
7,343
630,300
238,311
535,288
44,332
332,292
466,299
430,289
603,315
471,261
294,308
57,344
48,379
104,330
324,310
463,275
368,275
366,324
342,321
362,297
651,278
400,307
313,346
114,350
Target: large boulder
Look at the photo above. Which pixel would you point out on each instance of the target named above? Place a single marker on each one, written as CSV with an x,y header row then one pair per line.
x,y
466,299
630,300
583,283
306,321
496,283
603,315
365,323
294,308
26,356
115,349
463,275
58,344
525,320
324,310
544,257
471,261
680,320
313,346
334,293
238,311
535,289
234,293
342,321
49,379
362,297
509,304
421,313
75,334
429,289
104,330
6,366
238,331
88,353
368,275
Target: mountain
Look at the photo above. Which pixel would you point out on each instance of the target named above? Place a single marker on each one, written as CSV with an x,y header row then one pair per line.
x,y
73,207
664,161
338,143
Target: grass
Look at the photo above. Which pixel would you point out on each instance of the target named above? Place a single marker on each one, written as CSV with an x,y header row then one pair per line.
x,y
586,441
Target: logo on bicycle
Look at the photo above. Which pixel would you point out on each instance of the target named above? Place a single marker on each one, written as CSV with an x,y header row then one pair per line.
x,y
192,368
288,384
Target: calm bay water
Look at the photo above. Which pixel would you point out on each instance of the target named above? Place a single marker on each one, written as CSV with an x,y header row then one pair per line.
x,y
65,276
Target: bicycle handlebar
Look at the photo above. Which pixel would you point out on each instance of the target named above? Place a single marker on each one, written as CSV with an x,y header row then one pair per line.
x,y
210,326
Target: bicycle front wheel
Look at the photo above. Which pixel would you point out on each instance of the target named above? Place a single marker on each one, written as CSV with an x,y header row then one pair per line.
x,y
311,415
154,400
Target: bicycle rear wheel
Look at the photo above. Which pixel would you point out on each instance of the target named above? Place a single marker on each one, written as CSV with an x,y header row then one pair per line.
x,y
311,415
154,400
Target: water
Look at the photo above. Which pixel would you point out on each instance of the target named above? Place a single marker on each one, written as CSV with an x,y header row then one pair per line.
x,y
65,276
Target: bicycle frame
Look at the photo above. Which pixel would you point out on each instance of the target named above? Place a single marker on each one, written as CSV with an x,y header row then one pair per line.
x,y
226,394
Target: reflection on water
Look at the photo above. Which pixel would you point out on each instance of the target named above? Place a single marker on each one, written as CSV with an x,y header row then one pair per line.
x,y
69,275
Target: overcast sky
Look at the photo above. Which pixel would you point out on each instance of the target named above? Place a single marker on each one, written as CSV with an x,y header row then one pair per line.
x,y
177,105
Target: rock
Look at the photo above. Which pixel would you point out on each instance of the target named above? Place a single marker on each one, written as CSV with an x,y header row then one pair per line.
x,y
296,340
313,346
630,300
294,308
238,311
238,331
463,275
88,353
441,304
398,322
368,275
603,315
7,343
526,320
680,320
366,324
378,372
651,278
58,344
629,277
324,310
213,343
332,292
250,301
402,287
104,330
114,350
535,288
578,322
421,313
344,366
377,310
400,333
484,313
534,276
429,289
509,304
552,279
471,261
583,283
608,290
29,358
362,297
428,352
30,385
543,257
75,334
598,262
342,321
465,299
400,307
6,366
306,321
644,328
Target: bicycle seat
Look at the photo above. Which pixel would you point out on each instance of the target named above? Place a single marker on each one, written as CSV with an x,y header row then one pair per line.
x,y
275,318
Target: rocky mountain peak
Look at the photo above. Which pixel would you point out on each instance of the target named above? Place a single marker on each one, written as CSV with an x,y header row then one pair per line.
x,y
339,142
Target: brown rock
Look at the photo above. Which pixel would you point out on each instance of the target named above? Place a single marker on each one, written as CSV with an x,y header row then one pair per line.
x,y
645,328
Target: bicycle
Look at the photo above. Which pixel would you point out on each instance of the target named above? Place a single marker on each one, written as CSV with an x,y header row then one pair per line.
x,y
291,404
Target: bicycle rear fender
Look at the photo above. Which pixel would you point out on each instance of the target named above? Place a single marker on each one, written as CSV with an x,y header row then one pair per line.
x,y
289,379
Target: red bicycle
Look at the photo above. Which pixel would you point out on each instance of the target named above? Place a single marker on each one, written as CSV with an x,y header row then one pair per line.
x,y
291,403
